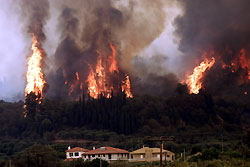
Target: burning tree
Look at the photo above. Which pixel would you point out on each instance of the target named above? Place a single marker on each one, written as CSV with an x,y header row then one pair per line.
x,y
194,80
31,105
101,80
35,77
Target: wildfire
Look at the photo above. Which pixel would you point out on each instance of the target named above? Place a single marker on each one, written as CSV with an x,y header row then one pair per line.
x,y
126,87
35,76
73,85
99,80
243,62
113,64
240,63
77,76
194,80
92,85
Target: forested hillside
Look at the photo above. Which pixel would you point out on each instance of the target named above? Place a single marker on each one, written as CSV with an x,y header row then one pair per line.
x,y
192,119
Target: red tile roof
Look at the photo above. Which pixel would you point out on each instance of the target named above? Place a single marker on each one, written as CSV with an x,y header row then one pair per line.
x,y
106,150
77,149
69,159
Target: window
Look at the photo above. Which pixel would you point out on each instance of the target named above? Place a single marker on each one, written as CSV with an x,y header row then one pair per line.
x,y
103,155
109,156
168,156
76,154
70,154
98,155
158,155
141,155
93,155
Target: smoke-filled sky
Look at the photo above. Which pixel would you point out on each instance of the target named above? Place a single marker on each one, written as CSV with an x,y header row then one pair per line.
x,y
13,47
16,22
157,42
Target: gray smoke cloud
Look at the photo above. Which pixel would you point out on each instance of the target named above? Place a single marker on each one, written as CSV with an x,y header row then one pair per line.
x,y
90,26
36,12
13,48
224,27
19,21
152,77
71,32
213,25
129,25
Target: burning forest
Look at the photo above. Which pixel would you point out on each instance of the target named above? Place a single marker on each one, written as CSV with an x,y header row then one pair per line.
x,y
105,71
103,48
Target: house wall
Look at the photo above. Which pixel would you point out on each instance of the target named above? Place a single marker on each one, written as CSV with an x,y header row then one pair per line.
x,y
168,157
68,155
114,157
152,157
138,156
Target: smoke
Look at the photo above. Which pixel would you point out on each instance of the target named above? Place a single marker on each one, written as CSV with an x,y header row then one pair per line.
x,y
213,25
13,48
153,79
36,12
71,33
224,27
90,26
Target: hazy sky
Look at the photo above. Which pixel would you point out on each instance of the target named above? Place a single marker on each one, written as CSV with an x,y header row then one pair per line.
x,y
167,43
15,47
12,52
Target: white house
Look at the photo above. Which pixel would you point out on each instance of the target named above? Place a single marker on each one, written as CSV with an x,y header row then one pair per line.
x,y
106,153
75,153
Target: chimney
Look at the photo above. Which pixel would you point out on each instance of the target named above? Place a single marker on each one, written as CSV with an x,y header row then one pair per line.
x,y
69,148
93,148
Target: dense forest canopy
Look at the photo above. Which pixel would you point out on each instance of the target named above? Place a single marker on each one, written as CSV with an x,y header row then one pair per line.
x,y
192,119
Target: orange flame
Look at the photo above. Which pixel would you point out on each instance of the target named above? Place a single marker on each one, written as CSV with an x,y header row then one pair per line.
x,y
98,80
73,86
35,76
243,62
126,87
194,80
92,85
113,65
240,63
77,76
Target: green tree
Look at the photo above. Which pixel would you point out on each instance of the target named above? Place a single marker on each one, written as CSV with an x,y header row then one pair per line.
x,y
45,126
31,105
36,156
210,154
96,163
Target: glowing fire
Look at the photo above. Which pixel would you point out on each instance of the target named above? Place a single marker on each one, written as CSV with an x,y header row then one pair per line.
x,y
194,80
113,64
35,76
99,80
73,85
92,85
126,87
243,62
240,63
